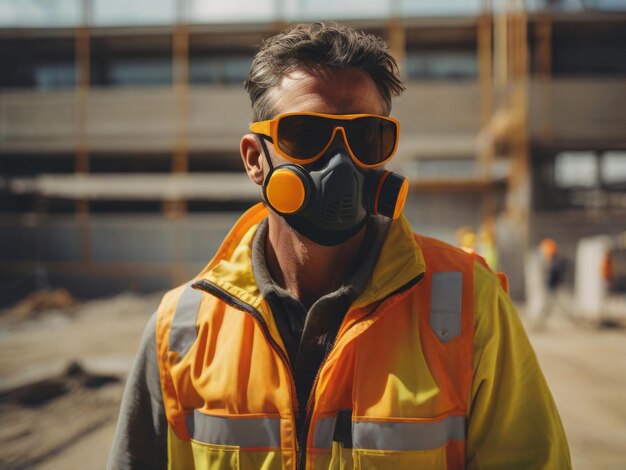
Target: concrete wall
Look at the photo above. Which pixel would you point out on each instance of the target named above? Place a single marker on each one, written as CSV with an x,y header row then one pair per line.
x,y
150,252
127,120
578,109
105,254
145,252
141,120
144,119
439,215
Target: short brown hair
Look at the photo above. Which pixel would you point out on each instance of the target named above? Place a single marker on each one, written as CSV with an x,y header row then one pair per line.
x,y
320,45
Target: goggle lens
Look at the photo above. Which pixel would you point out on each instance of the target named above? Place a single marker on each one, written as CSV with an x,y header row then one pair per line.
x,y
304,136
371,139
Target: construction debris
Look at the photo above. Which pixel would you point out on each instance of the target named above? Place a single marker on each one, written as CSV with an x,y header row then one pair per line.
x,y
36,303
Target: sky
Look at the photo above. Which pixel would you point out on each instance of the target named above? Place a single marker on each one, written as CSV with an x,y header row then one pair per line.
x,y
114,12
141,12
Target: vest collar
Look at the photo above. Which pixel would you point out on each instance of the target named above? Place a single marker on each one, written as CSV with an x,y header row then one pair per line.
x,y
400,261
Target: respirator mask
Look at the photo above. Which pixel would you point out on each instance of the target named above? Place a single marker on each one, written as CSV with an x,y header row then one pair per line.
x,y
331,186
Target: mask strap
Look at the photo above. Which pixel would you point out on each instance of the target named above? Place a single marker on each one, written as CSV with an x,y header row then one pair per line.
x,y
265,152
266,180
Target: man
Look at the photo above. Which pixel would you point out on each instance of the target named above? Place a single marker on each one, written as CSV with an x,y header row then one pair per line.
x,y
324,333
551,273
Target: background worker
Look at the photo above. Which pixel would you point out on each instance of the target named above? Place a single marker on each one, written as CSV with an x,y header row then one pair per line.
x,y
324,333
488,247
552,273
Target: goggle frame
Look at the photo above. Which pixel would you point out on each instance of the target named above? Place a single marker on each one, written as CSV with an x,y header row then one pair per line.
x,y
270,127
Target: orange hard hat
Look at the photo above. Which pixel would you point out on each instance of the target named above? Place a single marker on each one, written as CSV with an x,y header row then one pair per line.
x,y
548,247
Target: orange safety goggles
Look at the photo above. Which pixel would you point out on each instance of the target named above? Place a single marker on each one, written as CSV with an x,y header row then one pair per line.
x,y
304,137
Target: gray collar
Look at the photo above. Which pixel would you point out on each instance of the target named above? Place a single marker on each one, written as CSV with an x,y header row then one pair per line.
x,y
376,232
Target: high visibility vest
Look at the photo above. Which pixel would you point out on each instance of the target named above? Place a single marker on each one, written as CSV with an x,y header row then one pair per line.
x,y
392,393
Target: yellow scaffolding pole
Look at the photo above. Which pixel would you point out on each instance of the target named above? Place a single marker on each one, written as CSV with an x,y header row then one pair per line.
x,y
543,70
81,160
177,209
503,81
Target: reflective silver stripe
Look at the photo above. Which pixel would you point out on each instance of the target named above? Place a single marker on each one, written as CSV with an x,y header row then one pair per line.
x,y
405,435
445,304
323,434
242,432
183,331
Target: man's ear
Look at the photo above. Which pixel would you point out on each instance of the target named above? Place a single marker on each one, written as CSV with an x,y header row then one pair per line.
x,y
253,160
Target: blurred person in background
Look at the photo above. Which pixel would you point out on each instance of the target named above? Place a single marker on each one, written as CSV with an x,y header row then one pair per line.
x,y
553,273
612,272
325,333
606,270
487,246
466,239
546,277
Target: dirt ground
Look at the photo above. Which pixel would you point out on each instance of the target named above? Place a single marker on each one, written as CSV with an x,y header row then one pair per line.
x,y
62,372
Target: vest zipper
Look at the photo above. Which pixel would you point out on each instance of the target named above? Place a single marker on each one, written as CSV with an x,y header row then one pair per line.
x,y
234,302
302,440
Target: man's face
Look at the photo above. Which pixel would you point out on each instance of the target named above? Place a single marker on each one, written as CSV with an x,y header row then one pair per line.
x,y
342,198
348,91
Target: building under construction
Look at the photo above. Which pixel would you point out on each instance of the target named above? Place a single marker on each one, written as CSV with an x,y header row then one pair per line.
x,y
119,145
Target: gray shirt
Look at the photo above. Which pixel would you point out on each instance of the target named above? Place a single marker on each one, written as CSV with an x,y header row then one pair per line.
x,y
141,436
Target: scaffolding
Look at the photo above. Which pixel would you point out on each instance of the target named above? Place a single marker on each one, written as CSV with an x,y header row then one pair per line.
x,y
504,91
502,57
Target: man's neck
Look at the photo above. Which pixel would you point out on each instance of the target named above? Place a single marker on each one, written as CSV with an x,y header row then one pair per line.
x,y
305,269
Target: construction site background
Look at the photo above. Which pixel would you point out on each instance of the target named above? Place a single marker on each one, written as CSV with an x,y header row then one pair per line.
x,y
120,174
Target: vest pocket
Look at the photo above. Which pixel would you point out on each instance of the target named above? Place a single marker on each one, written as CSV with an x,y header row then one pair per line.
x,y
233,442
341,458
407,443
214,456
400,460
